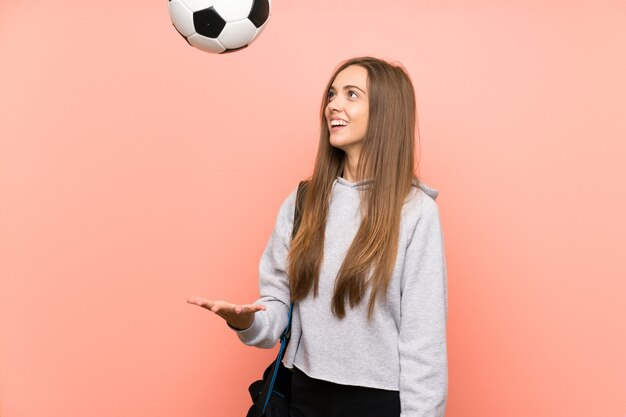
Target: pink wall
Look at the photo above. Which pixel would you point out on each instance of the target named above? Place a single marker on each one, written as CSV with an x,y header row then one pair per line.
x,y
136,171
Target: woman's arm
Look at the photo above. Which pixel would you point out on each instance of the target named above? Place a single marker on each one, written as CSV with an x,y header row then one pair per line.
x,y
424,310
268,324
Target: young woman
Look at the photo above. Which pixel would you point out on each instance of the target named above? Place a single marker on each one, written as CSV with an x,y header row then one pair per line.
x,y
366,269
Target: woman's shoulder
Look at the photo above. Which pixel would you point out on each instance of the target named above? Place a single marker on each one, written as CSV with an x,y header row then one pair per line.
x,y
419,191
429,191
288,205
420,202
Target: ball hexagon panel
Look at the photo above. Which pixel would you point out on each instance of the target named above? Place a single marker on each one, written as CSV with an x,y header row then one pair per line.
x,y
206,44
208,23
181,17
233,10
236,34
260,12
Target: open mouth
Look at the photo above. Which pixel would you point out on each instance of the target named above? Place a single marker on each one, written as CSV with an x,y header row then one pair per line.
x,y
337,124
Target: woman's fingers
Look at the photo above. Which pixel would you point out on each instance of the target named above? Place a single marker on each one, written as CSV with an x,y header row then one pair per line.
x,y
229,308
214,306
239,316
199,301
252,308
224,307
220,306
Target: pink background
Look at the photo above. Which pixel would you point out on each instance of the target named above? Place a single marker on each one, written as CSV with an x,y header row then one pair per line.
x,y
136,171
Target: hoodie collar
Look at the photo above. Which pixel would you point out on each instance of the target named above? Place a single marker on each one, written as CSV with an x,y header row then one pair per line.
x,y
431,192
344,181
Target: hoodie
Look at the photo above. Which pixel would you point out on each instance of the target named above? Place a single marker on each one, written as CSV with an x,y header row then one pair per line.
x,y
403,346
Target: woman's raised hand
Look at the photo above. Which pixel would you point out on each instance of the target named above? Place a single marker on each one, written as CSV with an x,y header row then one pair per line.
x,y
239,316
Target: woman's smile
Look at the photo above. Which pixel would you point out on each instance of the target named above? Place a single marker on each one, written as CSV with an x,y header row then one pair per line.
x,y
347,111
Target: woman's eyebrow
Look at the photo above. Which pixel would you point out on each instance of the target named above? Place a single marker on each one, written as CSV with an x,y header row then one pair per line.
x,y
346,87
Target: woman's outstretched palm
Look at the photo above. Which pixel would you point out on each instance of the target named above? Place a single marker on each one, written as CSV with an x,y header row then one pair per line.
x,y
239,316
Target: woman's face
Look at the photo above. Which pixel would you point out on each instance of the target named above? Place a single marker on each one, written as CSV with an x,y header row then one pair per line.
x,y
347,111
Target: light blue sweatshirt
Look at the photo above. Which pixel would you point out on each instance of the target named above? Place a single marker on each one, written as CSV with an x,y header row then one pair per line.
x,y
403,347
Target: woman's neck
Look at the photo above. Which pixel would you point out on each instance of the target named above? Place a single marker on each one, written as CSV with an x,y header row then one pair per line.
x,y
350,170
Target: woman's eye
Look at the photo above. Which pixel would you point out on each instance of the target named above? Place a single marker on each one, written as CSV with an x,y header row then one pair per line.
x,y
331,94
352,94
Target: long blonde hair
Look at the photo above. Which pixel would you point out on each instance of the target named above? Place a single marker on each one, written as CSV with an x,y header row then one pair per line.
x,y
387,159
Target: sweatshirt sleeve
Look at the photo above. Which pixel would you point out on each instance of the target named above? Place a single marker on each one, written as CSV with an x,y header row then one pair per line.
x,y
424,311
274,292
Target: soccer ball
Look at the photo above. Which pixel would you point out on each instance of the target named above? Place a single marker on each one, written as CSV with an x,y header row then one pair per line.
x,y
219,26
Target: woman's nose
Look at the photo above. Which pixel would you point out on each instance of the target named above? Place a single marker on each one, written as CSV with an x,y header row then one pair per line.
x,y
335,105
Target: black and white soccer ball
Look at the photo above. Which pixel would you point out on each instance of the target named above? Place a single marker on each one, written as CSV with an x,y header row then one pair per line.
x,y
219,26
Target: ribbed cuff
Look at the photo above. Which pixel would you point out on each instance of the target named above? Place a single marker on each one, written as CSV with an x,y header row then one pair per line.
x,y
251,333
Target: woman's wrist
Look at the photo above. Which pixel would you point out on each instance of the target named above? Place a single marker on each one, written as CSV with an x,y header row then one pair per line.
x,y
241,325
